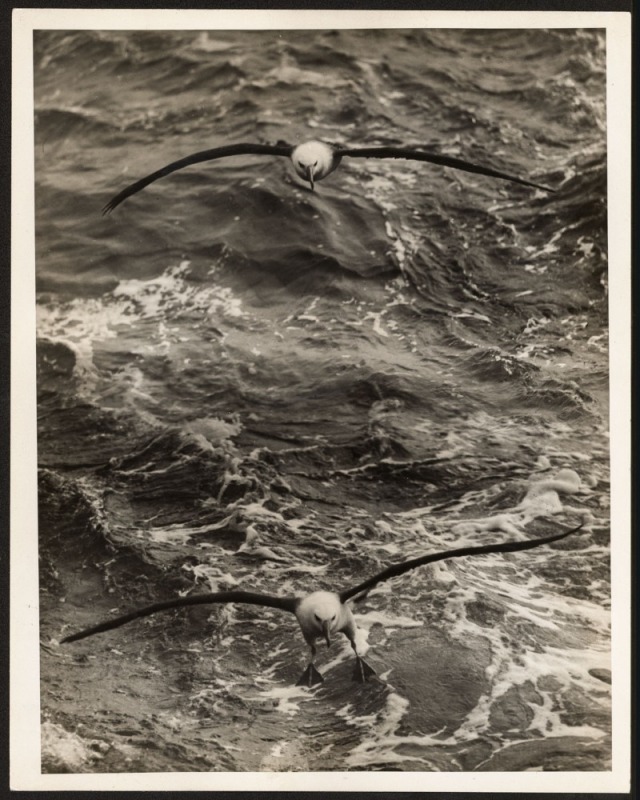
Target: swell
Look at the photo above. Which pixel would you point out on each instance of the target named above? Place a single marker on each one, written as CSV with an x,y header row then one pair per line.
x,y
245,384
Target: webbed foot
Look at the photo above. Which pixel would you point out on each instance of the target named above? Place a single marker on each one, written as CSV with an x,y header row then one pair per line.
x,y
310,677
362,671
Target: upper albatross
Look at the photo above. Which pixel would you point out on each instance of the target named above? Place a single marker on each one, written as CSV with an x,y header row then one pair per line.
x,y
313,161
321,614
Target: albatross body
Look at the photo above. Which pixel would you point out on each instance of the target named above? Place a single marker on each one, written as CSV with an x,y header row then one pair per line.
x,y
313,161
322,614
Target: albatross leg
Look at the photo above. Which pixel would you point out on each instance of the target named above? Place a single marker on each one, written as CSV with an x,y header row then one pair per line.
x,y
310,677
362,671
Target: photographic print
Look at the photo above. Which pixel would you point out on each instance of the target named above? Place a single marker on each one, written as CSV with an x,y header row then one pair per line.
x,y
324,456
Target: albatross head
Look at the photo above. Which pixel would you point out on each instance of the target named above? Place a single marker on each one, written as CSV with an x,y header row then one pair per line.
x,y
320,614
313,161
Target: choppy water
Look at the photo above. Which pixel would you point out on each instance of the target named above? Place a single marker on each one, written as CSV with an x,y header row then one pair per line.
x,y
244,384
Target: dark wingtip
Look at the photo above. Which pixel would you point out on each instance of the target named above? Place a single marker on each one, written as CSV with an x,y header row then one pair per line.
x,y
577,528
559,536
534,185
115,202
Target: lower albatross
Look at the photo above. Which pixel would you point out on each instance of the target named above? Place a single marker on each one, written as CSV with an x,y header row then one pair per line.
x,y
321,614
313,161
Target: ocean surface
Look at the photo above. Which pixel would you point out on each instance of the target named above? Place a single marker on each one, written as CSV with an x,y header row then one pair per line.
x,y
246,384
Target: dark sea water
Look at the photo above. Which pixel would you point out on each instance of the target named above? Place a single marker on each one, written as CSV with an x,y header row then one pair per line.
x,y
243,384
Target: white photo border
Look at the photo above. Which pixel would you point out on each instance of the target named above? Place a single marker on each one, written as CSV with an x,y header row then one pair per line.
x,y
25,769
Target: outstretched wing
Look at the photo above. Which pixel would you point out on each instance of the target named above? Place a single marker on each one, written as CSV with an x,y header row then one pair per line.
x,y
250,598
204,155
434,158
406,566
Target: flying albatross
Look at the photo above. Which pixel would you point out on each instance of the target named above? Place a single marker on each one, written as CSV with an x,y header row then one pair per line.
x,y
313,161
321,614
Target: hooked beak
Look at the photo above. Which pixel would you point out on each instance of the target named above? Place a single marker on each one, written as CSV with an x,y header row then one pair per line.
x,y
310,175
326,632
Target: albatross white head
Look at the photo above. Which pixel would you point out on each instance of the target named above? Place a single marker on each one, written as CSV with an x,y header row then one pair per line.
x,y
313,161
320,615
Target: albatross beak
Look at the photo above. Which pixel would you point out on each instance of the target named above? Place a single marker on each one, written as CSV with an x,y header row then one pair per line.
x,y
310,176
326,633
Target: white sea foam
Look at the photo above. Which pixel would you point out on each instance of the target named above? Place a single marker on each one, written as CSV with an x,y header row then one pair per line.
x,y
528,603
285,699
62,749
382,741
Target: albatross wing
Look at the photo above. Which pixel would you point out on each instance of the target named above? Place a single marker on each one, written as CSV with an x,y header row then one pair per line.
x,y
249,598
399,569
414,154
196,158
